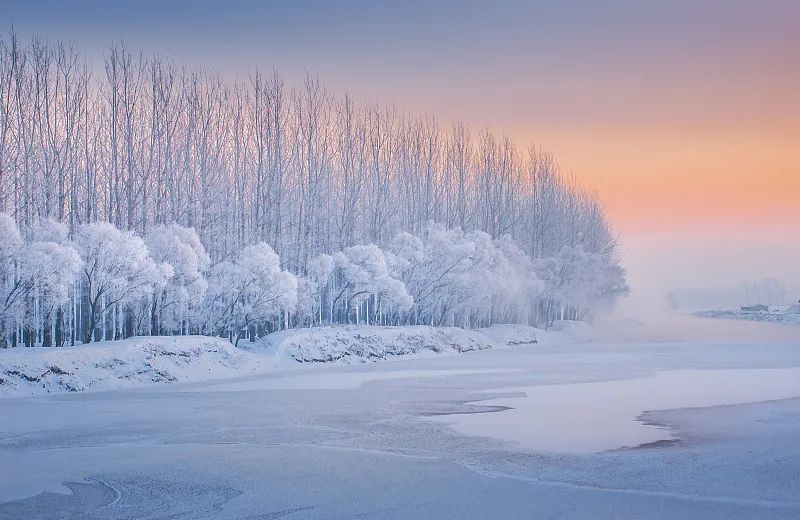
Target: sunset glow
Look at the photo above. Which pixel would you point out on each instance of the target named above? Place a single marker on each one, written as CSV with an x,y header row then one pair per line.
x,y
400,259
690,183
683,116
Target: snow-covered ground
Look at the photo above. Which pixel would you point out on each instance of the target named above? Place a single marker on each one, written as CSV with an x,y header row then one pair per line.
x,y
158,360
374,440
360,344
122,364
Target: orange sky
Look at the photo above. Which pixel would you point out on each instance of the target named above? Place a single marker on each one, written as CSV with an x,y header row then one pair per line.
x,y
695,210
689,181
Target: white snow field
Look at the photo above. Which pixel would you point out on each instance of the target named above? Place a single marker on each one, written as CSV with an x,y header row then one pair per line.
x,y
380,440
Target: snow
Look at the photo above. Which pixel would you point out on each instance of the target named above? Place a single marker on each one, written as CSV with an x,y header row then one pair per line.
x,y
788,316
360,344
515,335
122,364
595,417
307,444
153,360
356,344
566,330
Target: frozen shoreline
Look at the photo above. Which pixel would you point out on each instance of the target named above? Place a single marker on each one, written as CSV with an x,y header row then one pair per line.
x,y
785,317
148,361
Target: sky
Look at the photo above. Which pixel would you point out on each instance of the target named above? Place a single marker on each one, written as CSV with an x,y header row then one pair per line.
x,y
682,115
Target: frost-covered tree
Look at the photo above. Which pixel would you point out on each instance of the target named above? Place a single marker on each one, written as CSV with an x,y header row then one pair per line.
x,y
13,288
437,270
519,287
364,276
117,272
460,278
311,289
36,279
251,290
139,141
183,262
52,269
47,230
577,281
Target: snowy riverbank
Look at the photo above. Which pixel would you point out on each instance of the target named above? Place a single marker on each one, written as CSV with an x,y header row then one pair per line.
x,y
360,344
147,361
789,316
121,364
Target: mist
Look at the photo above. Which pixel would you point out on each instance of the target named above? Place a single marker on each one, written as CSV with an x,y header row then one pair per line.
x,y
707,270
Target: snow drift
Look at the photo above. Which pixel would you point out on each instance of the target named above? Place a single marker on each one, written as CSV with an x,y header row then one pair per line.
x,y
361,344
122,364
170,359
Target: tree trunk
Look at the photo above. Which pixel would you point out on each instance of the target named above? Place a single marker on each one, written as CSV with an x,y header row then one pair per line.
x,y
129,326
60,327
90,325
47,333
154,318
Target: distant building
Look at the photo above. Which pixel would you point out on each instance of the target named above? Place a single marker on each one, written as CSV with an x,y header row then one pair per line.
x,y
755,308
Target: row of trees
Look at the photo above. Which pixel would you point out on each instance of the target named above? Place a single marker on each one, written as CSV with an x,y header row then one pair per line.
x,y
767,291
142,143
111,284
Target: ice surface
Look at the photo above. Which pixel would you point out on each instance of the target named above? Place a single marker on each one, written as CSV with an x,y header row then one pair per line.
x,y
336,380
595,417
189,451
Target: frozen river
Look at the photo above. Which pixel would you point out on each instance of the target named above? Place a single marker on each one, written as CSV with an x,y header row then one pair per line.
x,y
607,415
645,428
